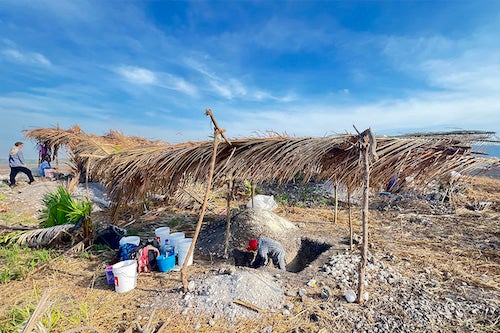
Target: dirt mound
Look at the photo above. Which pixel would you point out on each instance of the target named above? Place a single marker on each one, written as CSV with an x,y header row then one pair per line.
x,y
248,224
217,295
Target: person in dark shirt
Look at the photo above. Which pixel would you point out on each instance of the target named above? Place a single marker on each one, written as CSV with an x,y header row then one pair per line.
x,y
17,164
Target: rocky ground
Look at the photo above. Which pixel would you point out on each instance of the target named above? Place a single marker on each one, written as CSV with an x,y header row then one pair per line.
x,y
433,266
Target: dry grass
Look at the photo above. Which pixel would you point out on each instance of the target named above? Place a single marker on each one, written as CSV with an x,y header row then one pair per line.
x,y
445,248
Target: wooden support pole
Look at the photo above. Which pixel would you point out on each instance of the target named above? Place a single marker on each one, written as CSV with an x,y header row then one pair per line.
x,y
350,217
364,218
228,216
335,215
368,147
203,208
252,193
87,168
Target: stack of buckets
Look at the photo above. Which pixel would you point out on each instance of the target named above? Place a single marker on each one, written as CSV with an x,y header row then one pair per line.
x,y
166,260
178,243
123,275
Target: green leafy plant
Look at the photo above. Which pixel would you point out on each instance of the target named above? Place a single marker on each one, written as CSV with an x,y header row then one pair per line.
x,y
61,208
251,189
52,318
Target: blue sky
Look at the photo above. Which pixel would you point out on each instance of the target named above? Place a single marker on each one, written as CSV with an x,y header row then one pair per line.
x,y
304,68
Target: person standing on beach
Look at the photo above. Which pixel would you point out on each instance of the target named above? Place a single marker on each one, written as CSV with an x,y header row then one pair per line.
x,y
17,164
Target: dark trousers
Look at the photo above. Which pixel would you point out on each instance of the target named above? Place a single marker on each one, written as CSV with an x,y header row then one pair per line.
x,y
15,170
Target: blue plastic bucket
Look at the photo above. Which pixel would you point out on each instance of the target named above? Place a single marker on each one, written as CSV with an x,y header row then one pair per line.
x,y
165,264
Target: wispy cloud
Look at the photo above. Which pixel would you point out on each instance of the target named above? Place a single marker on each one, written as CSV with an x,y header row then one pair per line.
x,y
228,88
26,58
145,77
231,88
137,75
177,83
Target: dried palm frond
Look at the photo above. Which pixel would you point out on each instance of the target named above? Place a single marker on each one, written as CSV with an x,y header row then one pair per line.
x,y
43,236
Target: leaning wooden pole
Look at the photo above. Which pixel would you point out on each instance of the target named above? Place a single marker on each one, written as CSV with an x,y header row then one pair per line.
x,y
202,213
217,132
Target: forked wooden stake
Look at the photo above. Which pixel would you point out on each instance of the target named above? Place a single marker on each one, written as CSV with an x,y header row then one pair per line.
x,y
368,147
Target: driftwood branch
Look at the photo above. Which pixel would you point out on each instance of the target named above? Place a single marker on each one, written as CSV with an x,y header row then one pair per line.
x,y
42,306
247,305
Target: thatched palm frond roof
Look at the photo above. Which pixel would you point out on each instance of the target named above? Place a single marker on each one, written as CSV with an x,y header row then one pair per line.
x,y
133,170
133,173
80,143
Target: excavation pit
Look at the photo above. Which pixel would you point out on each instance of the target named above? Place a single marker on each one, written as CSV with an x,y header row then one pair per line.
x,y
309,251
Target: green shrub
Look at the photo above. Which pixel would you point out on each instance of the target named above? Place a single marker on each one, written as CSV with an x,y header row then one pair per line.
x,y
61,208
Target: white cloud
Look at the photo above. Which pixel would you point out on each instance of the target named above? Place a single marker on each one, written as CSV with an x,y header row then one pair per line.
x,y
28,58
179,84
137,75
231,88
470,65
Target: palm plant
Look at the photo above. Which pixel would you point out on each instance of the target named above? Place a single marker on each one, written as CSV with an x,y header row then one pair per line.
x,y
61,208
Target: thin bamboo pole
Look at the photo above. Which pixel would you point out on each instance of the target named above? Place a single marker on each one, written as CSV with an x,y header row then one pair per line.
x,y
209,112
228,216
87,169
335,216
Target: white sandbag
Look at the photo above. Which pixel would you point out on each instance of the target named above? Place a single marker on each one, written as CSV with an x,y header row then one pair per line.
x,y
265,202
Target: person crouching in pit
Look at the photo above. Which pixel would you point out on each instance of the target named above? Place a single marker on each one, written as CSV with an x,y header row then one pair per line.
x,y
267,248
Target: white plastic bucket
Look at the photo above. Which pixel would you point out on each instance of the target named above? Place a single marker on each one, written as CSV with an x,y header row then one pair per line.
x,y
183,246
130,240
125,273
162,234
174,239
